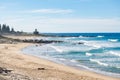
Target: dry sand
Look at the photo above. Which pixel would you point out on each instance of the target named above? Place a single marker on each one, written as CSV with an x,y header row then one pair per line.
x,y
21,37
25,67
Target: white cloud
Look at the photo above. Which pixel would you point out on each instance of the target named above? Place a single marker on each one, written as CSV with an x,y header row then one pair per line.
x,y
87,21
44,24
54,11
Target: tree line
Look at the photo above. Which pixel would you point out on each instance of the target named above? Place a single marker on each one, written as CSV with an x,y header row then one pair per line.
x,y
6,29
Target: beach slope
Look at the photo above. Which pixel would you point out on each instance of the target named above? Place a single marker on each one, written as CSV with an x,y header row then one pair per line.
x,y
26,67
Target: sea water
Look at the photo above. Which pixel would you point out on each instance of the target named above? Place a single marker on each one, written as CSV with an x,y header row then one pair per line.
x,y
98,52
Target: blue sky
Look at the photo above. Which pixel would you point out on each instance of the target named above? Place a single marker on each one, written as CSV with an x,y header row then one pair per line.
x,y
61,15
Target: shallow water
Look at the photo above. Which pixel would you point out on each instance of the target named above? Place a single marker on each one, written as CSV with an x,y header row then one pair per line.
x,y
99,52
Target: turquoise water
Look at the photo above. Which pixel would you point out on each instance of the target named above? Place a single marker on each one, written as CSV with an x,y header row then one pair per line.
x,y
99,52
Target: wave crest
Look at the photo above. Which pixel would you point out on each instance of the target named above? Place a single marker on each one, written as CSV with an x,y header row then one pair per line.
x,y
88,54
100,36
114,53
57,49
97,61
113,40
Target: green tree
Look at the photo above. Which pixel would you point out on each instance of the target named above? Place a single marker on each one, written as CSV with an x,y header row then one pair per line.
x,y
0,28
8,29
4,28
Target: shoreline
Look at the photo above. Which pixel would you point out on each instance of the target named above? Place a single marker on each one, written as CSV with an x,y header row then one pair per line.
x,y
28,65
70,63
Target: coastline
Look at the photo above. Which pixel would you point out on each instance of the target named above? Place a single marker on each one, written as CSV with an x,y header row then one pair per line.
x,y
12,58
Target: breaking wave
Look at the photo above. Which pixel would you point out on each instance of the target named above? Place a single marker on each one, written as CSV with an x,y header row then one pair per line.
x,y
114,53
97,61
113,40
57,49
88,54
100,36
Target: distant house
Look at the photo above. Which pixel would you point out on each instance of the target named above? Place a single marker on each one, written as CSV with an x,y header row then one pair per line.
x,y
35,32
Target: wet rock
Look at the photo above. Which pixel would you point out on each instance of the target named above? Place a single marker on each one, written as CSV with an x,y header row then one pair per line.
x,y
80,43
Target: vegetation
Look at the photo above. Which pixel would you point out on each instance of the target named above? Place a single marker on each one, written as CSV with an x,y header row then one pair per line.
x,y
0,28
6,29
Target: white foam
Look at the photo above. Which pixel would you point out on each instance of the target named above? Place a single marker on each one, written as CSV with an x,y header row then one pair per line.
x,y
100,44
85,67
68,38
88,54
109,59
93,45
62,59
74,61
100,36
113,40
114,53
96,46
56,48
73,37
118,67
97,61
81,37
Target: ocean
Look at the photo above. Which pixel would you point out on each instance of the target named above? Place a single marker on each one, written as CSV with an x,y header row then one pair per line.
x,y
97,52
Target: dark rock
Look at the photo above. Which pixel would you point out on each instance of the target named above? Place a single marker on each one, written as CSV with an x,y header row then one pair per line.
x,y
41,41
4,70
80,43
41,68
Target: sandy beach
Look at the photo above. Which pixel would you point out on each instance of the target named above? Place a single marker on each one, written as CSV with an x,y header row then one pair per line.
x,y
26,67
